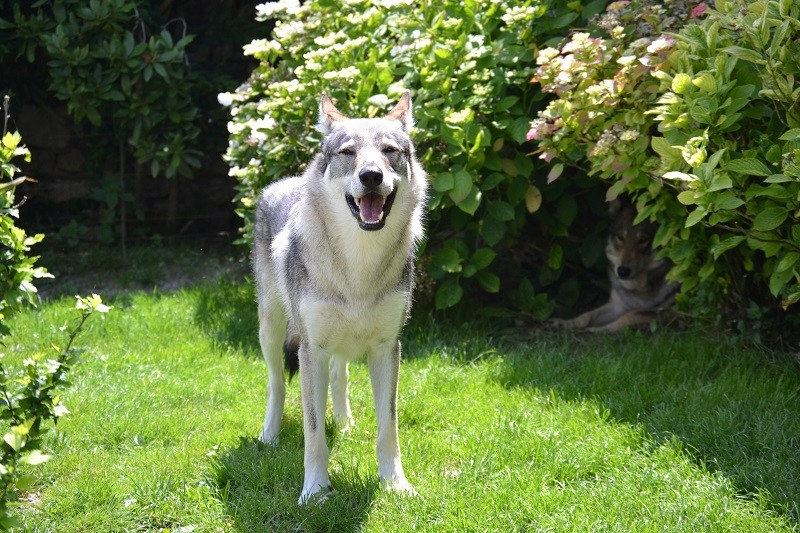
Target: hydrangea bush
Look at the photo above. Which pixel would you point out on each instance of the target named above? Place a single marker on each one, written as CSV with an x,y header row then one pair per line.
x,y
693,112
467,65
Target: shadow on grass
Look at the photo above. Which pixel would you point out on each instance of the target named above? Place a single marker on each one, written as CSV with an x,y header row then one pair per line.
x,y
227,312
260,484
735,410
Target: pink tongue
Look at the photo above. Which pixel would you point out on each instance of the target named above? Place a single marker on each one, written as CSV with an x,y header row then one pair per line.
x,y
371,207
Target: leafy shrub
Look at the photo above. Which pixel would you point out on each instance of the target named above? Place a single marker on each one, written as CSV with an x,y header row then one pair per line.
x,y
701,128
467,66
106,62
17,268
31,396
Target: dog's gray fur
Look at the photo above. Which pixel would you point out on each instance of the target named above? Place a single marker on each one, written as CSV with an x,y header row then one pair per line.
x,y
333,263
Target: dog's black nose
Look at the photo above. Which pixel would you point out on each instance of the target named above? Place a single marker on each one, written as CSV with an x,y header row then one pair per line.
x,y
623,272
370,176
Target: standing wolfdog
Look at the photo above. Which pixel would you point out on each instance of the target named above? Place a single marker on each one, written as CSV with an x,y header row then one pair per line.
x,y
333,263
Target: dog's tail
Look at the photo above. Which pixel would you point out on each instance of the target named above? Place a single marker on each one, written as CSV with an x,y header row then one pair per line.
x,y
290,356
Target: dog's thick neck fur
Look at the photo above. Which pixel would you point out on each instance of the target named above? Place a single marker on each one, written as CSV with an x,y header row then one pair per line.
x,y
357,255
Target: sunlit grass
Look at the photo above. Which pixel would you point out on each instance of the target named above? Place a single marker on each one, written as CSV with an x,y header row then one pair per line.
x,y
636,432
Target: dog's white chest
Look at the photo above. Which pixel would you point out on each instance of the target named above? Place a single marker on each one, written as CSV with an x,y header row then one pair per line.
x,y
352,329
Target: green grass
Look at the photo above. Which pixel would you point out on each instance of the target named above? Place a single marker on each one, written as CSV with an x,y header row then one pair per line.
x,y
678,431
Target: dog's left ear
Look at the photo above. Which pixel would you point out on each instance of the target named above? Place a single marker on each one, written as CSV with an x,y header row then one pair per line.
x,y
328,114
402,112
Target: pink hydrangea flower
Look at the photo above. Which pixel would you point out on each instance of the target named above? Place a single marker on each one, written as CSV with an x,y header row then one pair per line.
x,y
698,11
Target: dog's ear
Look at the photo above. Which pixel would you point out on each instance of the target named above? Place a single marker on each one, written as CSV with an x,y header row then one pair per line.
x,y
614,207
328,114
402,112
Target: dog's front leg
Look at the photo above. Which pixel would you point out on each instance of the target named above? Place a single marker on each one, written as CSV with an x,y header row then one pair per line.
x,y
314,391
384,369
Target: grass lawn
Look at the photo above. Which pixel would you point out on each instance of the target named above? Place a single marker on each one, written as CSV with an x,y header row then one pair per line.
x,y
674,431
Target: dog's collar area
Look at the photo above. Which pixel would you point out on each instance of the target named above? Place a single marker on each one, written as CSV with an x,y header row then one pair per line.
x,y
375,224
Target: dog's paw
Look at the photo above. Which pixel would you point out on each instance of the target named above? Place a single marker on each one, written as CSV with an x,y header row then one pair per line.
x,y
270,438
400,486
344,422
556,323
315,496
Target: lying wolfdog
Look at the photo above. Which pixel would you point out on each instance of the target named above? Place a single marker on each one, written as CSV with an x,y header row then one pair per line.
x,y
333,263
638,285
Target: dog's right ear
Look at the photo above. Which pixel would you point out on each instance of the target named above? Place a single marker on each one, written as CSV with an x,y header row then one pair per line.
x,y
328,114
614,207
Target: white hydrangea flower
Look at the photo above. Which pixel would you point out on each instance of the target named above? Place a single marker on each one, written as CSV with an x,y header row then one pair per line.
x,y
225,99
268,10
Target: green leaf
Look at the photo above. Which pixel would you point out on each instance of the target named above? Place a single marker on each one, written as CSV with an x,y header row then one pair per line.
x,y
15,440
555,172
779,178
519,129
745,54
25,482
788,261
662,147
749,166
728,201
492,230
462,185
443,181
726,244
720,181
448,294
482,258
506,103
472,201
492,181
695,216
501,211
791,135
555,257
770,218
488,280
447,259
533,199
681,83
706,82
779,279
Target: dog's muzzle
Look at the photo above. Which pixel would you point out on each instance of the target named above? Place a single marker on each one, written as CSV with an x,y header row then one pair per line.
x,y
372,208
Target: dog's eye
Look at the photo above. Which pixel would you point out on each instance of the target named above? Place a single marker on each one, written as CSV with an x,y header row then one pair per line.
x,y
390,150
346,151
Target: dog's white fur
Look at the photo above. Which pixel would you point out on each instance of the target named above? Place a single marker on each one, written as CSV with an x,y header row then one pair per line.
x,y
337,290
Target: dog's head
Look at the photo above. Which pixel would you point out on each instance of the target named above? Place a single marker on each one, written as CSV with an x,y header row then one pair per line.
x,y
630,246
367,160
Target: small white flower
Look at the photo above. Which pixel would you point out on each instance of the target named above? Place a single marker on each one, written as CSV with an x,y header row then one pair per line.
x,y
225,99
662,44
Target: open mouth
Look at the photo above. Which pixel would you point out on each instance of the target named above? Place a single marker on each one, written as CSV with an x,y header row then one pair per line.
x,y
371,209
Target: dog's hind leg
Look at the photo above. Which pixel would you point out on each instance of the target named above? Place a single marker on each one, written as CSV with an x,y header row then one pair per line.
x,y
341,401
384,370
272,324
